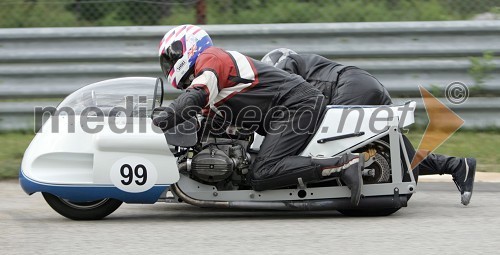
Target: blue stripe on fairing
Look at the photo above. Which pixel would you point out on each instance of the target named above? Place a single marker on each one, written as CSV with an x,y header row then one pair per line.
x,y
84,193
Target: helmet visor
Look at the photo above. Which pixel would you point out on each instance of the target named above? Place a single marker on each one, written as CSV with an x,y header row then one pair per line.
x,y
166,64
172,54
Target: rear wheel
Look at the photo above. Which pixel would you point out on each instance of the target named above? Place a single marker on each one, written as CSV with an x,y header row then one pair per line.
x,y
383,150
94,210
368,212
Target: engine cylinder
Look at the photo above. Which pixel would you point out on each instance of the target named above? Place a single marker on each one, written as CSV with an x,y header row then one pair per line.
x,y
211,165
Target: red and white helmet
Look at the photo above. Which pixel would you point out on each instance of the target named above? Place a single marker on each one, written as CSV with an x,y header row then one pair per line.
x,y
179,49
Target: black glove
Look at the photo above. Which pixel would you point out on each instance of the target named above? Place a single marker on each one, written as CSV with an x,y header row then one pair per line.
x,y
159,115
157,111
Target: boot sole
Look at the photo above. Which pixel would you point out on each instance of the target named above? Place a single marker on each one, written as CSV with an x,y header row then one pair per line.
x,y
467,195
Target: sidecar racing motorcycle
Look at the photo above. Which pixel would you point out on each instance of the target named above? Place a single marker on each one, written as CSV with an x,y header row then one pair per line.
x,y
100,149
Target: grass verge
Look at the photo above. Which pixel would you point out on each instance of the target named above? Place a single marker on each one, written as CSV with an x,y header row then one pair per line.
x,y
482,145
12,147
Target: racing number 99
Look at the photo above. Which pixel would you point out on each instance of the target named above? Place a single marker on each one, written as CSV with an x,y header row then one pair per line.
x,y
139,172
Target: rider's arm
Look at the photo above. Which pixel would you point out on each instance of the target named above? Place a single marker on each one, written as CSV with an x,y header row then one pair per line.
x,y
289,65
187,105
199,94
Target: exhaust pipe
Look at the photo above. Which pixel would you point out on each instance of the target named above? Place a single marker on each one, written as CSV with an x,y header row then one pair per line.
x,y
380,202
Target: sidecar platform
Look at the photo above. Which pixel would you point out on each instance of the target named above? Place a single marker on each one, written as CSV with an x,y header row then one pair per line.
x,y
393,195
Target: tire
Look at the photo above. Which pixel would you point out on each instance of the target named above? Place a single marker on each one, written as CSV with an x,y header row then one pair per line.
x,y
406,177
411,153
94,210
369,213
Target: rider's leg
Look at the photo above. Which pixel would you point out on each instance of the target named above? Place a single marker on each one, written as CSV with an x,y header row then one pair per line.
x,y
284,138
277,165
350,167
463,171
296,170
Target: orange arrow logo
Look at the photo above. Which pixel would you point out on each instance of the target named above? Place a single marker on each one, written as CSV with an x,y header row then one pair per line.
x,y
443,122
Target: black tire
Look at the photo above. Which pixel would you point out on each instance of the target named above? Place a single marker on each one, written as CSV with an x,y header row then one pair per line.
x,y
406,177
94,210
368,212
411,153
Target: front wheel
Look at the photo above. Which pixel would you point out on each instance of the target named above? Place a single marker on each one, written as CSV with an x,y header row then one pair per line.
x,y
94,210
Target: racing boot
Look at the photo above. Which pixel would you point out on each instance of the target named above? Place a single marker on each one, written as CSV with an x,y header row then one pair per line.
x,y
463,171
350,167
463,176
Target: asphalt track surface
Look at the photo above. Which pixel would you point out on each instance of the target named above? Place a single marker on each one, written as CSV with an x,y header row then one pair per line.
x,y
434,223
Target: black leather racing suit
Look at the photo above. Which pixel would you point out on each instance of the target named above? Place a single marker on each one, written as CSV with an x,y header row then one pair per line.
x,y
349,85
340,84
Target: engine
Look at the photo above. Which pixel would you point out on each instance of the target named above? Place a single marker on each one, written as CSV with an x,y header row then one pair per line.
x,y
212,165
219,159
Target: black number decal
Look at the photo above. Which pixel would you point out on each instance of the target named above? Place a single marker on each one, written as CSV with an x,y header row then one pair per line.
x,y
139,172
143,176
126,172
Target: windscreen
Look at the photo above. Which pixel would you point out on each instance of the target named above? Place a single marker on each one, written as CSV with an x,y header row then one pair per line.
x,y
134,96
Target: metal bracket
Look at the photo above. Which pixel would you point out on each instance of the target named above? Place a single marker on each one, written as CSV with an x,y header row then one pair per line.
x,y
397,200
407,160
301,183
394,142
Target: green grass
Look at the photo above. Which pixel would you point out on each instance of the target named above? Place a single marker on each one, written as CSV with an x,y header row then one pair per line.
x,y
12,147
483,145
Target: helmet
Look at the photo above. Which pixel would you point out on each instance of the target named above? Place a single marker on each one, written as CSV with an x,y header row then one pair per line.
x,y
276,56
179,49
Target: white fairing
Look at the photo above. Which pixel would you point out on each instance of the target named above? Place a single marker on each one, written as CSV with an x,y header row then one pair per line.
x,y
65,152
345,120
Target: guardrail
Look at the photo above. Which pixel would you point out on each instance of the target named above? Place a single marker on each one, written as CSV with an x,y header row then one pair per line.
x,y
53,62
